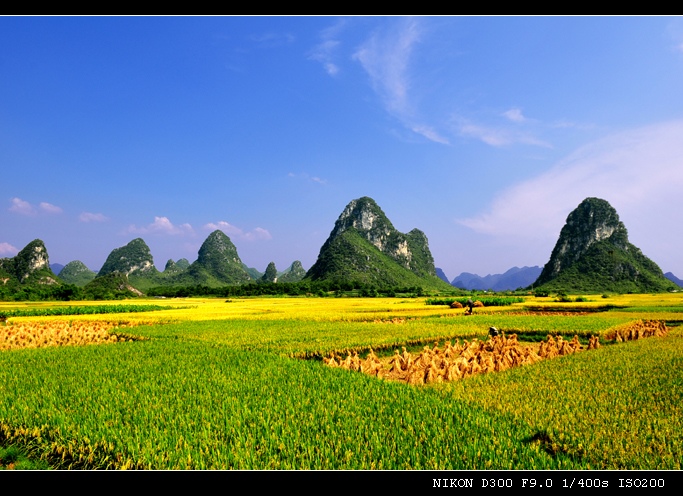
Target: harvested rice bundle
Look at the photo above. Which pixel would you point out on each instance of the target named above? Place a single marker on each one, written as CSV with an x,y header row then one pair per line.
x,y
637,330
496,354
55,333
332,361
371,365
593,343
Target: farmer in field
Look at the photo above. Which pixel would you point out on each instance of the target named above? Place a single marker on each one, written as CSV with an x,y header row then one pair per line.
x,y
469,306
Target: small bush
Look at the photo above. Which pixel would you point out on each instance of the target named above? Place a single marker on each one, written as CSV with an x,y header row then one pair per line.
x,y
9,455
562,297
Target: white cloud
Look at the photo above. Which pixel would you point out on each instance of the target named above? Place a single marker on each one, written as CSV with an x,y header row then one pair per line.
x,y
258,233
91,217
386,58
8,249
22,207
639,172
324,53
515,115
49,208
497,135
162,225
493,137
565,124
307,177
255,234
674,30
429,133
272,39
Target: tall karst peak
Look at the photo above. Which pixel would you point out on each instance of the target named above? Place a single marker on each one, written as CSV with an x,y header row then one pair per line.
x,y
218,261
367,218
593,253
31,264
173,267
364,246
76,272
592,221
271,273
133,258
294,273
32,258
217,248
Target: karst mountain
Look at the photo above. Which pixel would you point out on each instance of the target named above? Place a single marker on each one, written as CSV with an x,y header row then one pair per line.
x,y
365,247
30,266
217,264
593,254
77,273
294,273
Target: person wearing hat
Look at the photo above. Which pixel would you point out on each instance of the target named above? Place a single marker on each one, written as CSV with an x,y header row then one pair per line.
x,y
469,306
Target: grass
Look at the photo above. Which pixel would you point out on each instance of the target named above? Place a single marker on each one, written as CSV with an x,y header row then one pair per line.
x,y
218,386
14,458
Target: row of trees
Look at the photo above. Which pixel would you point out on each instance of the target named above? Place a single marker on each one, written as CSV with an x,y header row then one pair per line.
x,y
318,288
115,287
62,292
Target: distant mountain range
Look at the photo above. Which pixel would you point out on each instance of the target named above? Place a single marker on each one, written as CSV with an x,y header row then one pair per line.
x,y
512,279
674,279
592,254
442,275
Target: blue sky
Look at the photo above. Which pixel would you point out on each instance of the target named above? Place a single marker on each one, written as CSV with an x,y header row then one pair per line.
x,y
483,132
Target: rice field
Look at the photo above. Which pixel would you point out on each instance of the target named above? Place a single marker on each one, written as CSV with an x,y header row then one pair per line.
x,y
246,384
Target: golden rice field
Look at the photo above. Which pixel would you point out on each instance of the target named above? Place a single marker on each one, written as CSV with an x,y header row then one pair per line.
x,y
278,383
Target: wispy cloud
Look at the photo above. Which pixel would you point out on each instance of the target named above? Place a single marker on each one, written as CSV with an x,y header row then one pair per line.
x,y
22,207
272,39
515,115
91,217
49,208
8,249
162,225
386,58
565,124
308,177
255,234
674,30
430,133
326,51
500,135
639,172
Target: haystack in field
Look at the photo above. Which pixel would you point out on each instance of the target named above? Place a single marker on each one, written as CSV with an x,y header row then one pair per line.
x,y
496,354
